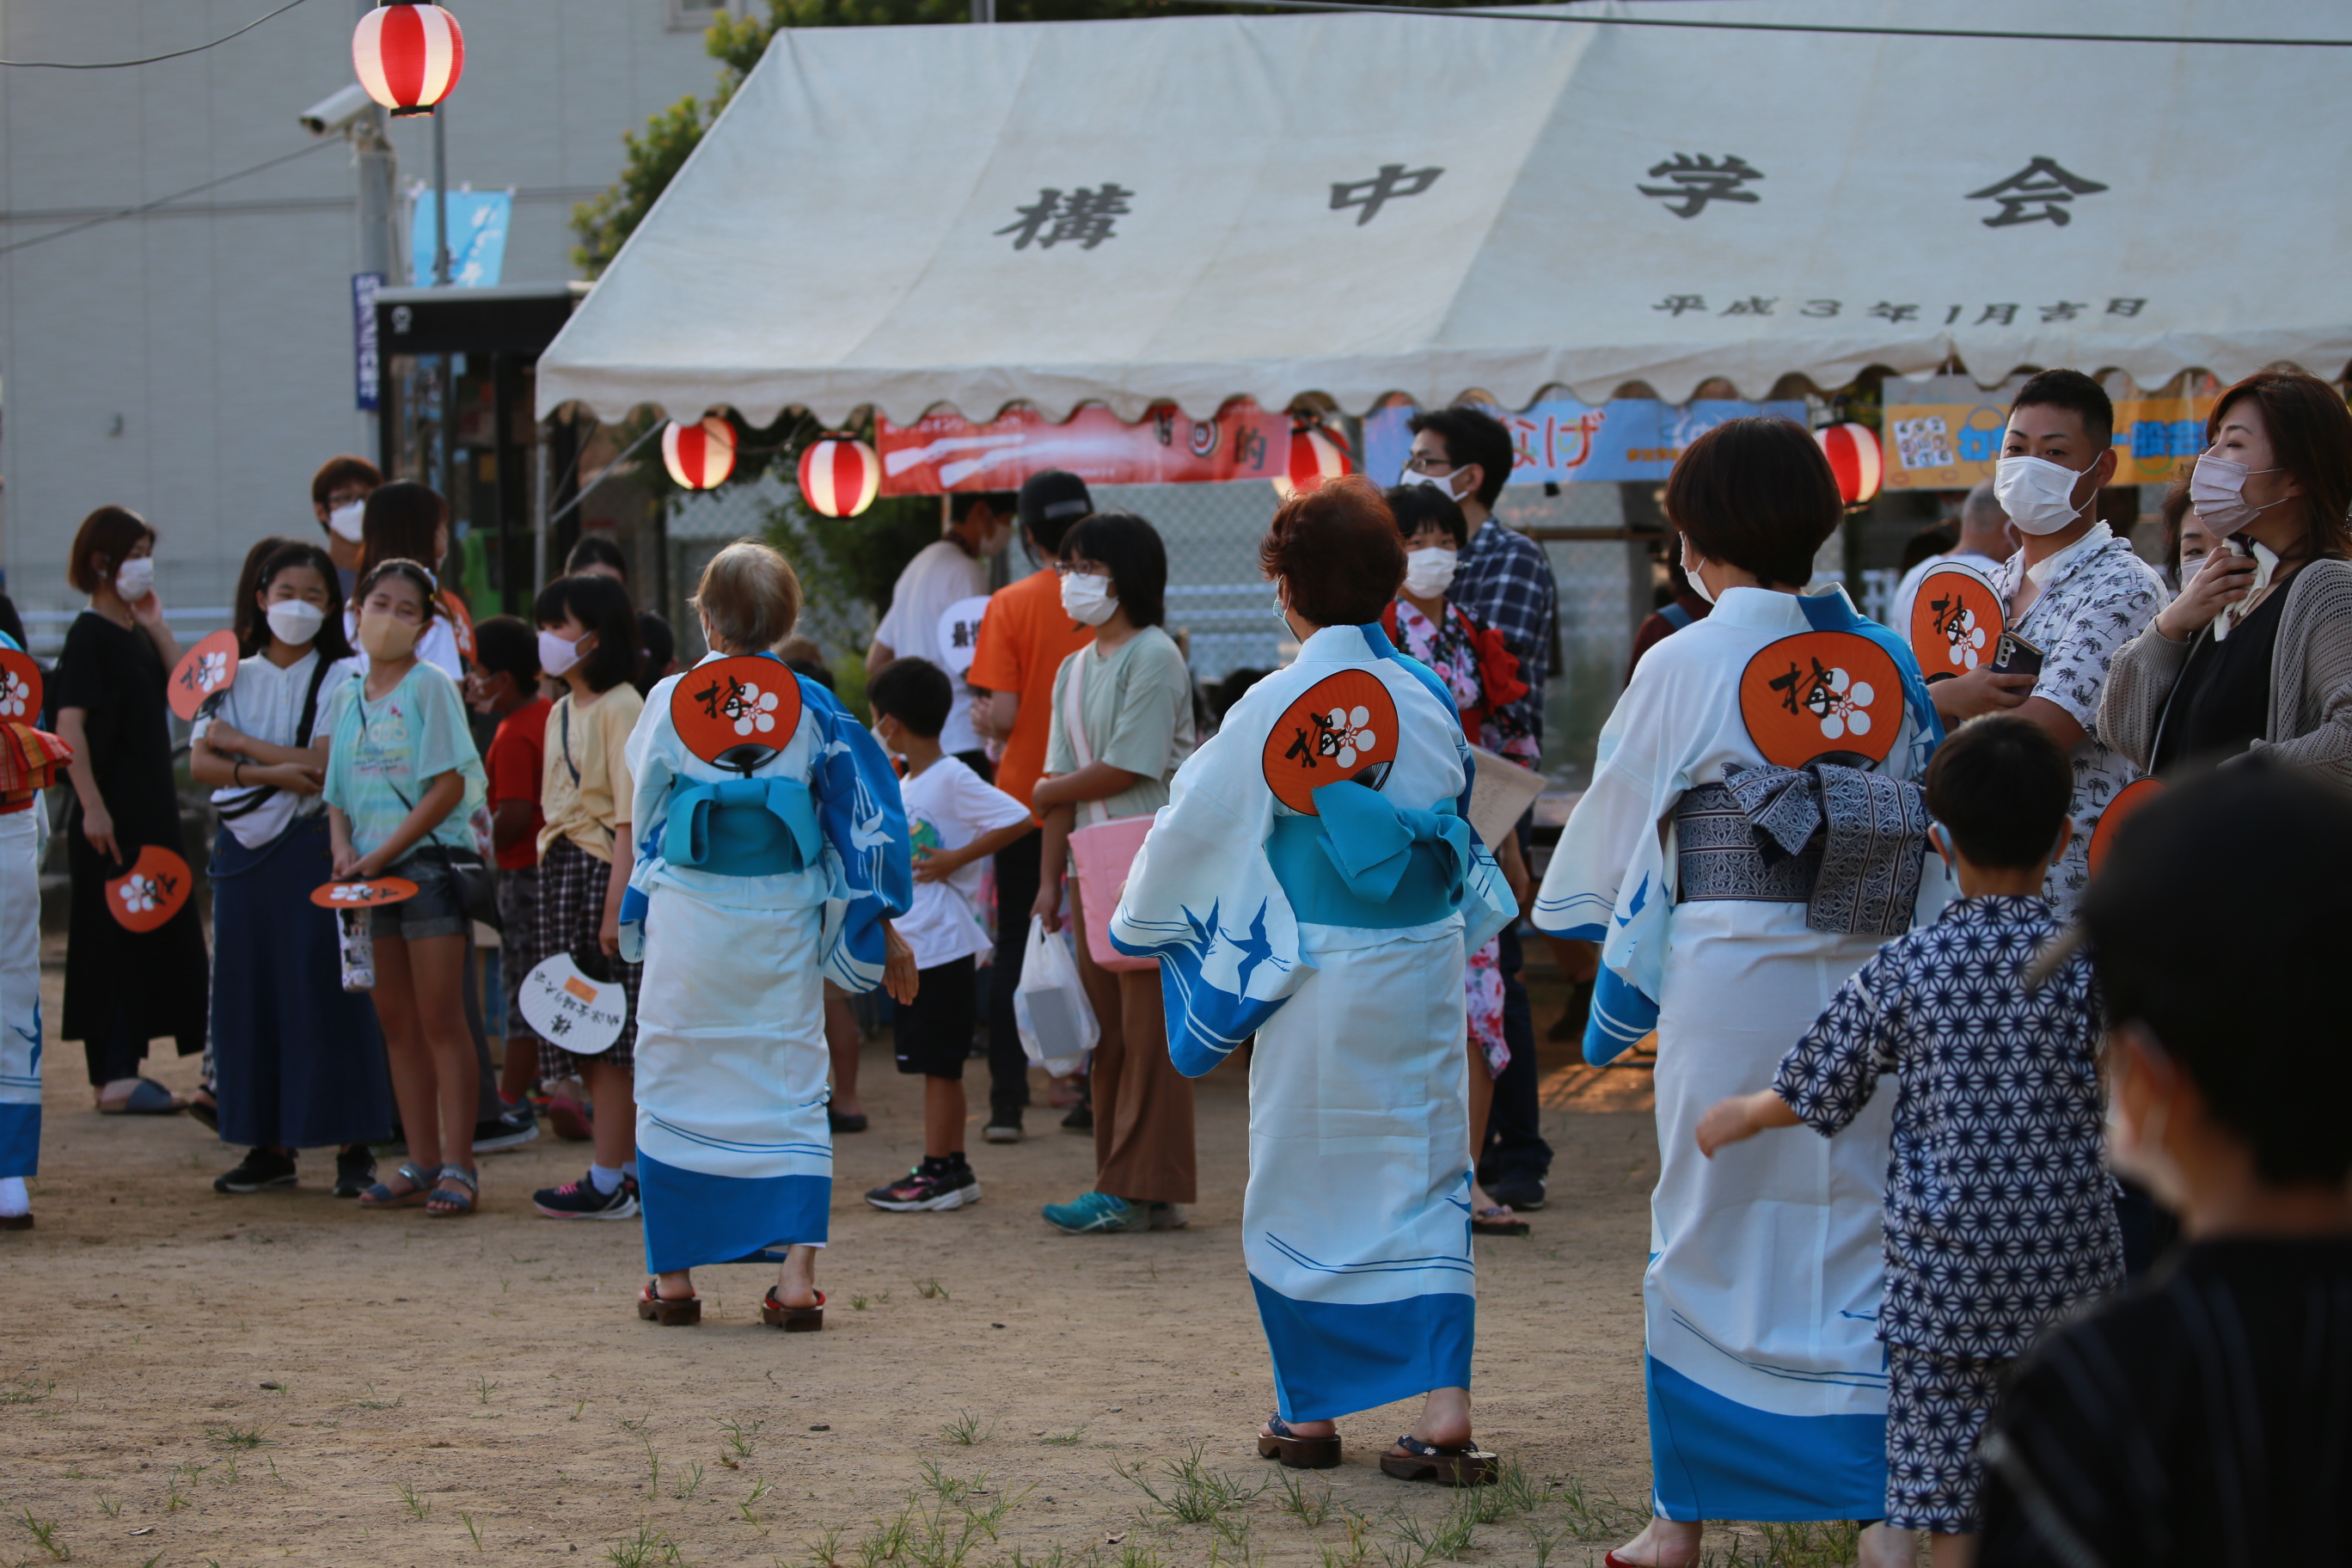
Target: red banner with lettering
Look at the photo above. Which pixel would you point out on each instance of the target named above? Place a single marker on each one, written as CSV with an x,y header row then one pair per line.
x,y
945,451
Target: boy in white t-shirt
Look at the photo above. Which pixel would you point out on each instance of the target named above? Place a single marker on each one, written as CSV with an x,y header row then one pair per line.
x,y
956,821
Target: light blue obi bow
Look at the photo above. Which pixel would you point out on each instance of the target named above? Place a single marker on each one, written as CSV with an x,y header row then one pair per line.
x,y
742,828
1365,862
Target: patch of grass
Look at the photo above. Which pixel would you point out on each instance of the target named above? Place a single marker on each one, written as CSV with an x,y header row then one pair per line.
x,y
1414,1542
1800,1546
1193,1494
109,1507
1310,1512
653,1465
965,1429
940,1532
690,1487
825,1547
929,1290
1134,1553
648,1546
483,1386
1602,1518
739,1437
759,1490
471,1528
1357,1546
416,1504
235,1437
45,1535
22,1394
1068,1439
577,1407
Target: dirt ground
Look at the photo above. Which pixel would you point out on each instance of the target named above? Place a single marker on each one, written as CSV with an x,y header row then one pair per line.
x,y
187,1378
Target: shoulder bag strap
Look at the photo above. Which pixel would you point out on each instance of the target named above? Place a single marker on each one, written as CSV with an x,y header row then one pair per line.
x,y
566,747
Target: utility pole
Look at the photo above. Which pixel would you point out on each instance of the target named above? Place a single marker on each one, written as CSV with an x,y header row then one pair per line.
x,y
379,232
983,10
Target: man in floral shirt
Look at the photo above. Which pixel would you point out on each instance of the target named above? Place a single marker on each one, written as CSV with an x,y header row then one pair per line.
x,y
2075,591
1999,1214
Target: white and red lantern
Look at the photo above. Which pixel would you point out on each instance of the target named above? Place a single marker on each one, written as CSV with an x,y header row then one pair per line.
x,y
840,476
699,457
1316,453
1853,452
409,56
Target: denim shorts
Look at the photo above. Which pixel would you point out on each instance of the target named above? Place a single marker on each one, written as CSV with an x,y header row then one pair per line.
x,y
436,911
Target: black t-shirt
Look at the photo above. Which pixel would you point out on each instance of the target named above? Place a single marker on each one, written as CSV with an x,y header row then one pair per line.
x,y
2222,703
113,673
2204,1417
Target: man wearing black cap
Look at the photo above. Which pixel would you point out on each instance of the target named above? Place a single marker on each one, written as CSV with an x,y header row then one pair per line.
x,y
1022,640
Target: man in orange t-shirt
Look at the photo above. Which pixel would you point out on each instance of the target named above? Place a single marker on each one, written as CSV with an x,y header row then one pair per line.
x,y
1022,640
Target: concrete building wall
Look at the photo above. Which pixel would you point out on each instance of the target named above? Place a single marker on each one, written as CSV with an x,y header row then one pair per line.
x,y
195,362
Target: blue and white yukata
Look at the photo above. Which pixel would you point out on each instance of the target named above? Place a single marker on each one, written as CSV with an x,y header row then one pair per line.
x,y
1338,936
1767,1381
747,893
24,832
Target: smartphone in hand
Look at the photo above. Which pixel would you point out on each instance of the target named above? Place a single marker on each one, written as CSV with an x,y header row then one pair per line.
x,y
2014,656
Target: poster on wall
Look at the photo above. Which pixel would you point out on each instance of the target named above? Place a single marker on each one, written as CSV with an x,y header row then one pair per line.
x,y
1562,441
945,451
1944,432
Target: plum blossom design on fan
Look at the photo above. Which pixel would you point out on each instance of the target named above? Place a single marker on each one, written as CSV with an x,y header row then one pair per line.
x,y
211,670
1831,695
16,695
141,893
1346,732
1965,639
751,708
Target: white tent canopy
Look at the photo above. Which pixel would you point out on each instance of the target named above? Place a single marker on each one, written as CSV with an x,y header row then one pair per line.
x,y
1196,208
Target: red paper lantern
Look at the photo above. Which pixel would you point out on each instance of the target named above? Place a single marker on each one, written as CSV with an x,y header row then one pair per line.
x,y
1316,453
1853,452
408,56
840,476
699,457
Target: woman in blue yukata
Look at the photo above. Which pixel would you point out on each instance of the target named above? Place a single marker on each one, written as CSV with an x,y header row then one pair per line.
x,y
1752,835
1313,881
772,853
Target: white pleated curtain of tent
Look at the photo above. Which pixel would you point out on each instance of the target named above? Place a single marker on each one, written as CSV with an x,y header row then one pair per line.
x,y
1199,208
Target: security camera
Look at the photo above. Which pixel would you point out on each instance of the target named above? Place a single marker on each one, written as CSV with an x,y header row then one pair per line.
x,y
335,116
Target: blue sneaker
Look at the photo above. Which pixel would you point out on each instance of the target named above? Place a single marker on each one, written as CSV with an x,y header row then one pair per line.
x,y
1093,1212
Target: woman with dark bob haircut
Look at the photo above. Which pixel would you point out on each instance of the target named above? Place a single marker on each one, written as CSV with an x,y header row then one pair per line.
x,y
2255,654
1313,881
1767,1383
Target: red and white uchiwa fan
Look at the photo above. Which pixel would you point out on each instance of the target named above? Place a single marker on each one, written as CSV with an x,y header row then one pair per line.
x,y
1853,452
408,56
1316,453
840,476
700,455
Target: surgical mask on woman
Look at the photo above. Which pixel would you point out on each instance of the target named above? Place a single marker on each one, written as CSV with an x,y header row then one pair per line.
x,y
1087,598
2217,489
134,580
558,653
2038,494
1429,572
295,621
387,636
346,519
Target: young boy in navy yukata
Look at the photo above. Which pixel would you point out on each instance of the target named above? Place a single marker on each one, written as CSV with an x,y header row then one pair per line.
x,y
1999,1213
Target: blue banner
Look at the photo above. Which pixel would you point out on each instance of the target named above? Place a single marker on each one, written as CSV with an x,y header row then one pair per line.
x,y
1566,442
478,236
367,365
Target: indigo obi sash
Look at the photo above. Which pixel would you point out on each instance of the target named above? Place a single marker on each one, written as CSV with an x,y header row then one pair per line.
x,y
742,828
1369,863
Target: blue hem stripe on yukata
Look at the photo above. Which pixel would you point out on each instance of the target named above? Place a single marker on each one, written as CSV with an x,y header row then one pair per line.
x,y
1335,1358
1620,1017
693,1218
20,1140
1717,1459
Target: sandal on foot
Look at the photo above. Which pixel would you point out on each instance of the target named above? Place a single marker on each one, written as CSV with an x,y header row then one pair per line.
x,y
670,1312
453,1191
380,1196
1466,1465
792,1319
1277,1441
147,1097
1498,1219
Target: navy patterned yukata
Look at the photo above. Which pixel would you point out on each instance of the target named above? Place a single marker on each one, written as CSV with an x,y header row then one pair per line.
x,y
2000,1212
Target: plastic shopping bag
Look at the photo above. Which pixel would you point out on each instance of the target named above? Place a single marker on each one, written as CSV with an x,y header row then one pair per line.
x,y
1050,1007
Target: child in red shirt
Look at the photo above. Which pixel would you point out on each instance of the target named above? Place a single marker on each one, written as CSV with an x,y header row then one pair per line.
x,y
505,685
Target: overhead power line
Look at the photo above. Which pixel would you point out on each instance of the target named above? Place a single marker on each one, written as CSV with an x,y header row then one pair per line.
x,y
150,59
1373,7
162,201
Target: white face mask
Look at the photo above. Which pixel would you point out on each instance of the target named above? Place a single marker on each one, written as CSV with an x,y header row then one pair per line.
x,y
1429,572
558,653
2038,494
1087,598
1442,483
295,621
134,580
345,519
1697,584
2217,489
